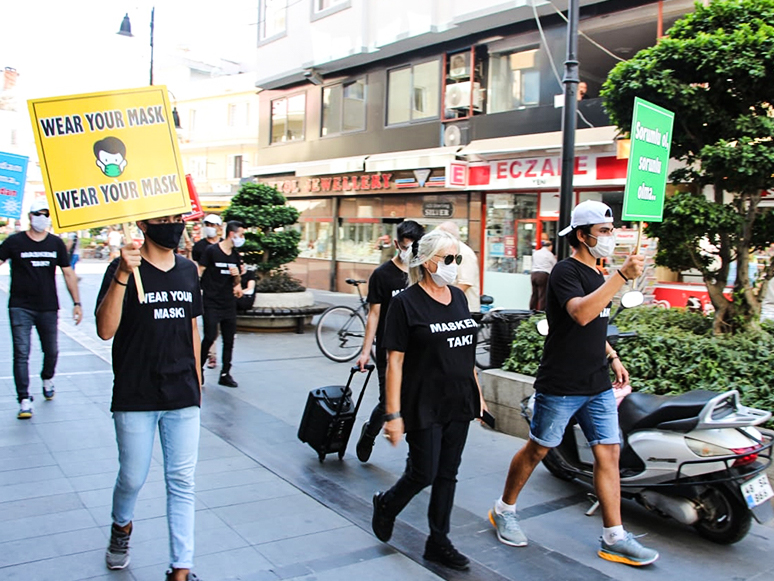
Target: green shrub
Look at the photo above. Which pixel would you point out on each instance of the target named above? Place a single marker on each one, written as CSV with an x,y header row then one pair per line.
x,y
675,352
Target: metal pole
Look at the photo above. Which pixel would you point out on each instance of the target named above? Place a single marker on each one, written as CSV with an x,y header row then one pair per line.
x,y
153,14
569,123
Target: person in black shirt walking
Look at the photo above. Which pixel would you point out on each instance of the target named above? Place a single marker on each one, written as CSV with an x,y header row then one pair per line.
x,y
219,269
574,380
211,225
33,301
157,384
432,391
385,282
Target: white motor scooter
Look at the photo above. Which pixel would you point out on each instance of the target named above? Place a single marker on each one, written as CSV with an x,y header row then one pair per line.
x,y
695,457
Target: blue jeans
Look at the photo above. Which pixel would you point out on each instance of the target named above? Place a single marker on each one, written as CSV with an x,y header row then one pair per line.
x,y
179,434
22,321
596,414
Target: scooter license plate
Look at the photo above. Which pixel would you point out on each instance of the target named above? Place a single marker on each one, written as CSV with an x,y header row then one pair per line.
x,y
757,491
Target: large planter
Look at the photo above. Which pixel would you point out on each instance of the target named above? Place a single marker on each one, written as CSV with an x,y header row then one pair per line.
x,y
503,392
280,311
283,300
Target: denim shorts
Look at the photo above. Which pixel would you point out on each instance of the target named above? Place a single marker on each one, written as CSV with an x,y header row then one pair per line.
x,y
596,414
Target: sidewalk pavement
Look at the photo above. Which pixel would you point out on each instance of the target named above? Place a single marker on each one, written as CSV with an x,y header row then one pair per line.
x,y
266,508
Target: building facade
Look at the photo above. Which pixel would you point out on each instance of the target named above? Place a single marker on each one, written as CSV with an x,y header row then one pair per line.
x,y
373,112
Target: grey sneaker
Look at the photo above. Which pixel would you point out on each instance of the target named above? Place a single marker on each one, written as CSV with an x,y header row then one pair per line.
x,y
117,555
508,528
48,389
628,551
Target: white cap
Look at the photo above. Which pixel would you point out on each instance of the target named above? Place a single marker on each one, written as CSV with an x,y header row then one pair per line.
x,y
587,213
213,219
39,204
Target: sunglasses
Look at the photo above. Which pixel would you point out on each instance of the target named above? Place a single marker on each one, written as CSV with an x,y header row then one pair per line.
x,y
40,213
449,258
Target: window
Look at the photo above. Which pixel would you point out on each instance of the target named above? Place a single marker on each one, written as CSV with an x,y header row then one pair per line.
x,y
514,81
343,108
197,166
234,166
238,114
192,120
413,93
272,18
321,5
287,119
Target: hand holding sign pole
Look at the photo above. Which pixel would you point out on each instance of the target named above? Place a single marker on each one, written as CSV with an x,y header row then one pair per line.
x,y
651,137
109,158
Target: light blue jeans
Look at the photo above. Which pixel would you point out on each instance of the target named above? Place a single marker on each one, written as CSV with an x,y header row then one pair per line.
x,y
179,435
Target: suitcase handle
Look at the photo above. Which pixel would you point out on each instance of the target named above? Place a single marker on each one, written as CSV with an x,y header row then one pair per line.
x,y
366,367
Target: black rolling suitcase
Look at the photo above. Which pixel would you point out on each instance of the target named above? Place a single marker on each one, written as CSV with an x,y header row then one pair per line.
x,y
329,416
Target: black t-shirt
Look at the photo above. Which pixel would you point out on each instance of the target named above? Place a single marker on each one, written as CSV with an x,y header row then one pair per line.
x,y
199,248
246,302
386,281
217,282
438,342
154,363
33,270
574,360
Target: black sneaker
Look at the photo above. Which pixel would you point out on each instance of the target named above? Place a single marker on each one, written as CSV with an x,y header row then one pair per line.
x,y
227,380
117,555
189,577
446,555
381,523
365,444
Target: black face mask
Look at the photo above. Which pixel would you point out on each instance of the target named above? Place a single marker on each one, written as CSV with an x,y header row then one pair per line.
x,y
165,235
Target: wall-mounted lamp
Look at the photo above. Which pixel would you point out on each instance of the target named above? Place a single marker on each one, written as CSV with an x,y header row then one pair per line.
x,y
313,77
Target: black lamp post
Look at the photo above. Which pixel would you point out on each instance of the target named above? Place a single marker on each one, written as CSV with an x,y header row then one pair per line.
x,y
569,124
126,30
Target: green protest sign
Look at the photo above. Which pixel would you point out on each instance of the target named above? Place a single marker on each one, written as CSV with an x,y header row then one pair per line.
x,y
651,138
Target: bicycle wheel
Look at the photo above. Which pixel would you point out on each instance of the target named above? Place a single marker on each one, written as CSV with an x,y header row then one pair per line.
x,y
339,333
483,345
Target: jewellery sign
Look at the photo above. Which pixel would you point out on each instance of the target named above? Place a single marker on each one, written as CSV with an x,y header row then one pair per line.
x,y
651,138
109,157
13,174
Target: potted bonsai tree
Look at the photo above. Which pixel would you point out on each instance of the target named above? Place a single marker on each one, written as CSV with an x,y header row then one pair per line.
x,y
270,243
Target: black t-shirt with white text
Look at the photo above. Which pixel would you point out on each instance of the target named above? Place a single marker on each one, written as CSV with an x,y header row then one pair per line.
x,y
386,281
574,360
217,281
154,363
438,343
33,270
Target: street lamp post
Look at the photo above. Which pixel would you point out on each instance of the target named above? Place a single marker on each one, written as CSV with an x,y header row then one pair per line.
x,y
126,30
569,124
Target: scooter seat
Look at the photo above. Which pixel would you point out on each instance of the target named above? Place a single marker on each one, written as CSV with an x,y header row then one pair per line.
x,y
640,411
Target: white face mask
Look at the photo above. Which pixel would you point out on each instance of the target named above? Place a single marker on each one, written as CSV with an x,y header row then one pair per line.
x,y
445,274
604,248
238,242
40,223
405,255
210,232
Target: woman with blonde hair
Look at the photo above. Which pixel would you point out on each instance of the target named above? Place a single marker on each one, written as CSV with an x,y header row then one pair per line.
x,y
432,390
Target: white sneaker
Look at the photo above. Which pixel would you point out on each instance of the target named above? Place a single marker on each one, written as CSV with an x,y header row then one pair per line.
x,y
48,389
25,409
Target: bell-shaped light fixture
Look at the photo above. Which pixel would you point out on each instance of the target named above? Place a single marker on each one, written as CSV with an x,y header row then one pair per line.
x,y
126,27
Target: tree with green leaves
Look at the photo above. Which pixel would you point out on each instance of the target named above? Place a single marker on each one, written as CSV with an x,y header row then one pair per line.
x,y
270,241
715,70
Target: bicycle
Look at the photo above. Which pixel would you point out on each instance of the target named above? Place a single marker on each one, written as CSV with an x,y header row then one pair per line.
x,y
484,334
341,330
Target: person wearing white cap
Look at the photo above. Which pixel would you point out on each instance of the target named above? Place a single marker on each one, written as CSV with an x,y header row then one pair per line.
x,y
210,228
33,301
574,380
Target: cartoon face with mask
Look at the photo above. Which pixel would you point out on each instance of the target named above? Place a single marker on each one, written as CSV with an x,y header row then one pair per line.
x,y
110,153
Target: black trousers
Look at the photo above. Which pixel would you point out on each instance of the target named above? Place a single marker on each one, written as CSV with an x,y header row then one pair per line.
x,y
227,324
539,280
433,460
376,421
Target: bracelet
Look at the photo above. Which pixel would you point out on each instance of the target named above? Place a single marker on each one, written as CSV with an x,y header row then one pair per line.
x,y
612,355
623,276
115,278
76,304
392,416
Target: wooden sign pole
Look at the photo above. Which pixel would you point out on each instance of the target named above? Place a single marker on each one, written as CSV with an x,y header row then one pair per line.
x,y
136,269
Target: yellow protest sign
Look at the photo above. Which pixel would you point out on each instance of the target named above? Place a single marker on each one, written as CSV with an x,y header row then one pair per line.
x,y
109,157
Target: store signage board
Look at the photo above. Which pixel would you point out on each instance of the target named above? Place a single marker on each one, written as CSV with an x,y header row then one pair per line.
x,y
651,140
13,175
457,174
196,206
109,157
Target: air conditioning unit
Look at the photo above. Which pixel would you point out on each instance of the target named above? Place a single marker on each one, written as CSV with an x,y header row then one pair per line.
x,y
458,96
455,134
459,65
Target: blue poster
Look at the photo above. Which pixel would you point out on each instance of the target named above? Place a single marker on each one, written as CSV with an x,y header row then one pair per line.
x,y
13,175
